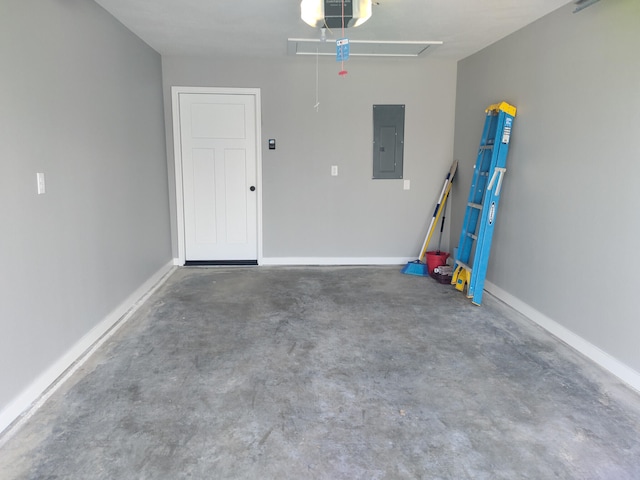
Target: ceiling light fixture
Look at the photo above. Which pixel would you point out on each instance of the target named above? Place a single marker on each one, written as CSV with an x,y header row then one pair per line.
x,y
329,13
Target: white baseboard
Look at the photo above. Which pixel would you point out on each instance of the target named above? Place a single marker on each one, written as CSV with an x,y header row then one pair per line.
x,y
336,260
26,403
595,354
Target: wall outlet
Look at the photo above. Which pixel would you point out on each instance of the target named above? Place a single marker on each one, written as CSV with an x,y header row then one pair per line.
x,y
407,184
334,170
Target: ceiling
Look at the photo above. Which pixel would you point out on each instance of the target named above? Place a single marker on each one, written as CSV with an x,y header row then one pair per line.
x,y
260,28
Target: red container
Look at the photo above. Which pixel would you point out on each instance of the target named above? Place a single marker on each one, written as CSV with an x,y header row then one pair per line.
x,y
435,259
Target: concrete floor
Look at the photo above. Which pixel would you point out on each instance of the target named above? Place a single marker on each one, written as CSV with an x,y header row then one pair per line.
x,y
328,373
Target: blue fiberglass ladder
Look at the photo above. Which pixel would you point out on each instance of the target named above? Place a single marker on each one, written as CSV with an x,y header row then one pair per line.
x,y
470,265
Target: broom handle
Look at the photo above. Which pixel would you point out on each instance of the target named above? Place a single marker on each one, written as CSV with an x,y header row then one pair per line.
x,y
441,230
434,220
446,188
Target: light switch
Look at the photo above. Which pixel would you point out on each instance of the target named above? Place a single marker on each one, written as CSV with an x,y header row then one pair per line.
x,y
41,185
334,170
407,184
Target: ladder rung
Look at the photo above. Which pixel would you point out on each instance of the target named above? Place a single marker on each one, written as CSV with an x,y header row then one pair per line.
x,y
465,266
474,205
486,147
475,237
484,174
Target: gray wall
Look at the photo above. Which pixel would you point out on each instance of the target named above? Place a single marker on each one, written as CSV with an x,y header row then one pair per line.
x,y
81,101
308,213
568,227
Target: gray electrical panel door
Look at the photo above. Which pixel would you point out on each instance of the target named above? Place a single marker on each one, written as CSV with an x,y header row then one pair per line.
x,y
388,141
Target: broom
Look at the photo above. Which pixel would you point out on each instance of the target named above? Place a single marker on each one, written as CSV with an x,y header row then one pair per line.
x,y
418,267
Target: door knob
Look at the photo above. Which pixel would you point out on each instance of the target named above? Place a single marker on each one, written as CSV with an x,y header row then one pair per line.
x,y
252,188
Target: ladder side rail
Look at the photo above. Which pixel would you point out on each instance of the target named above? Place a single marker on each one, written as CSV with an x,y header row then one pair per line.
x,y
471,226
486,130
482,169
470,219
489,216
478,182
464,243
483,249
483,245
483,176
465,246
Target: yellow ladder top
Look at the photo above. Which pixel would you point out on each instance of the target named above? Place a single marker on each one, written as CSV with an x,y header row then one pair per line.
x,y
504,106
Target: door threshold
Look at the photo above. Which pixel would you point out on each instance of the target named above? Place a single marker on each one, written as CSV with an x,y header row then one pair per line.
x,y
219,263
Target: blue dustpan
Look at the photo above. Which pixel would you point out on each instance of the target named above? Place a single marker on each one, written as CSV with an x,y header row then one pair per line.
x,y
415,268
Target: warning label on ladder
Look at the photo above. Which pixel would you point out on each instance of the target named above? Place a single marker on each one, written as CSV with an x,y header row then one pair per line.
x,y
506,132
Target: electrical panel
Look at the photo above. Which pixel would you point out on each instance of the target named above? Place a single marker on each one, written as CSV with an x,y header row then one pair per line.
x,y
388,141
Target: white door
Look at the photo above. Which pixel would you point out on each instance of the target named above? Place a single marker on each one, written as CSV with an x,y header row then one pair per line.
x,y
219,176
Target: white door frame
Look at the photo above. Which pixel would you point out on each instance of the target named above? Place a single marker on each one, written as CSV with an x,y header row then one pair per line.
x,y
177,155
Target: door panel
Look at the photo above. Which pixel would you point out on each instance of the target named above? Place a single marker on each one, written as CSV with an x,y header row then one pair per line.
x,y
211,120
203,195
235,166
219,164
